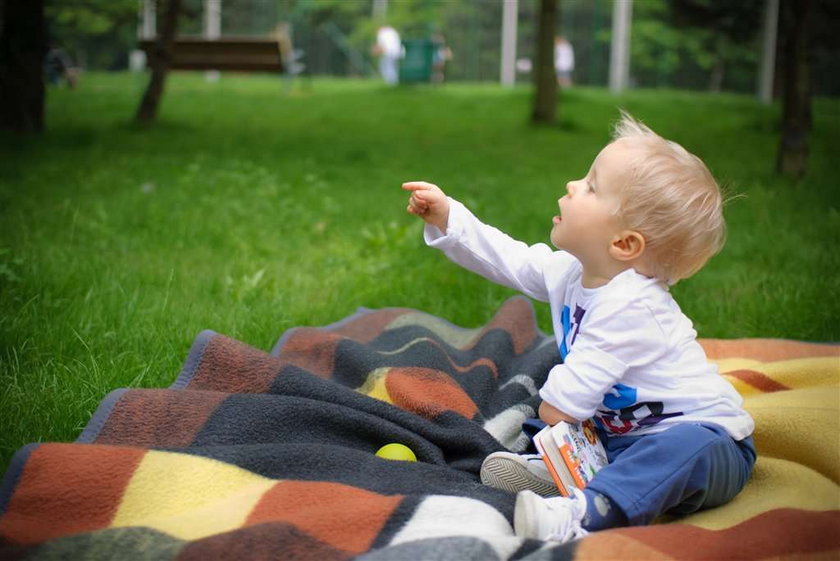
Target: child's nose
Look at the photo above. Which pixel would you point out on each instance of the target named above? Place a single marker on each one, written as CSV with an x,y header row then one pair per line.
x,y
570,187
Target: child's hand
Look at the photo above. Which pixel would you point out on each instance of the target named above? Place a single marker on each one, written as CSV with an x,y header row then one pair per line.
x,y
428,202
550,415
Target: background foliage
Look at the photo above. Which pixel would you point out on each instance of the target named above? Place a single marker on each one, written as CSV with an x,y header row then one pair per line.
x,y
98,33
694,44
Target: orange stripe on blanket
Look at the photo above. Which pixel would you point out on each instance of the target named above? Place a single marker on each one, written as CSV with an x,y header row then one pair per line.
x,y
777,534
368,327
311,349
64,490
228,365
345,517
766,350
757,380
516,317
159,418
427,392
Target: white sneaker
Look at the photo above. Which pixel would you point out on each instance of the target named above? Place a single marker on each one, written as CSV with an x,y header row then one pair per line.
x,y
515,473
556,519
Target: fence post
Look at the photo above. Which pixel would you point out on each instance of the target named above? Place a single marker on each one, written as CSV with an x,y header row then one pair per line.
x,y
510,10
212,30
146,30
768,52
620,46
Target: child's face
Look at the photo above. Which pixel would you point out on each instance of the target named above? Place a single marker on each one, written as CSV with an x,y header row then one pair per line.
x,y
588,219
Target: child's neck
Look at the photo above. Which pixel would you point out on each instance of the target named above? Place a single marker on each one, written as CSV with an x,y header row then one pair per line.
x,y
596,277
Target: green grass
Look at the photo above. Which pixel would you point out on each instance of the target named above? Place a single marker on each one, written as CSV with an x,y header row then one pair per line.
x,y
249,212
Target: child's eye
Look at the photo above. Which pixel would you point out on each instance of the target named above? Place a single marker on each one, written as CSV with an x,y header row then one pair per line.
x,y
591,187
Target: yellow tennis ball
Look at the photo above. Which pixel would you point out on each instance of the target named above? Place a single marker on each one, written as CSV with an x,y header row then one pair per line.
x,y
395,451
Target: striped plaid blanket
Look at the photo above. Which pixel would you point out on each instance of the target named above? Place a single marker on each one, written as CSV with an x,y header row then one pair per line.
x,y
270,455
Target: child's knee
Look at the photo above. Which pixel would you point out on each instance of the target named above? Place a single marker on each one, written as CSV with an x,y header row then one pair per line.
x,y
720,463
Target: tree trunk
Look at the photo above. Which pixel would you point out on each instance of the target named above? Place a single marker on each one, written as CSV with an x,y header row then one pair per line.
x,y
796,95
545,81
160,62
719,67
23,46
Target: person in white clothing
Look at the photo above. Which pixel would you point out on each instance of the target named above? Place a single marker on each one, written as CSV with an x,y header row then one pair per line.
x,y
564,61
647,214
389,49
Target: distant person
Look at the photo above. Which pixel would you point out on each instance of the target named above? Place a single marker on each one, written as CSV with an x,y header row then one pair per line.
x,y
388,48
288,54
59,67
564,61
440,56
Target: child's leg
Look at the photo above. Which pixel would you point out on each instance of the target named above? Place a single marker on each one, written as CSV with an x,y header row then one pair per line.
x,y
680,470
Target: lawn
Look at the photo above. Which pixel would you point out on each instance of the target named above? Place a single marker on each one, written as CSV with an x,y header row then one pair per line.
x,y
249,211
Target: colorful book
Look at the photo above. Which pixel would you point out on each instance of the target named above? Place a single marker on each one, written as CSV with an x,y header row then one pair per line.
x,y
573,454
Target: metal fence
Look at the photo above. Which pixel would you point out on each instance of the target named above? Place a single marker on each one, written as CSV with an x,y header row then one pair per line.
x,y
472,29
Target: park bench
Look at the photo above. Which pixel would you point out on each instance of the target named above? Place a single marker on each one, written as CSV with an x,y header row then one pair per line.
x,y
245,54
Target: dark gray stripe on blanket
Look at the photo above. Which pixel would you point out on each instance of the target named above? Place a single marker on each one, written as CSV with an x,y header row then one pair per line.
x,y
193,359
101,415
13,473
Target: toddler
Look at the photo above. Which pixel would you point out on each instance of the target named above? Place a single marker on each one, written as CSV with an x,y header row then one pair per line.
x,y
646,215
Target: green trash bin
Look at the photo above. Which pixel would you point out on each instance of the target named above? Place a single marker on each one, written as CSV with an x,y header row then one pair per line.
x,y
416,65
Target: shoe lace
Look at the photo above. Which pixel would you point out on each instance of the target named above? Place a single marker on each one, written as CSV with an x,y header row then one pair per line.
x,y
567,533
568,522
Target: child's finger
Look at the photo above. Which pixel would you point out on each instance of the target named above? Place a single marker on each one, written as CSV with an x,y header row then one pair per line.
x,y
418,205
417,186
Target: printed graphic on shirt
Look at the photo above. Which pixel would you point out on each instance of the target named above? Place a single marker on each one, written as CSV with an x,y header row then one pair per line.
x,y
571,326
624,414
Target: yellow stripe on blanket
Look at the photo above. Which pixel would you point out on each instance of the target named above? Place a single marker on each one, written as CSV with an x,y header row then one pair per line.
x,y
375,386
800,426
805,372
189,497
729,364
796,407
752,377
774,484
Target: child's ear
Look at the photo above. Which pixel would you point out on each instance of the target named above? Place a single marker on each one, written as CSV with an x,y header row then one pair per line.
x,y
627,245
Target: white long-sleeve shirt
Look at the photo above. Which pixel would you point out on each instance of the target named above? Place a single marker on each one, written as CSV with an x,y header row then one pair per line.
x,y
630,356
388,41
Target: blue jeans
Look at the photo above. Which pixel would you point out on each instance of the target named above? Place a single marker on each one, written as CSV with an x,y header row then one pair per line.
x,y
683,469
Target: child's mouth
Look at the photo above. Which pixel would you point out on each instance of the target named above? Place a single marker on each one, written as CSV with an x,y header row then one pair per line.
x,y
557,219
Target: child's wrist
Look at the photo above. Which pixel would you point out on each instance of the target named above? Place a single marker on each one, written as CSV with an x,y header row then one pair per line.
x,y
442,223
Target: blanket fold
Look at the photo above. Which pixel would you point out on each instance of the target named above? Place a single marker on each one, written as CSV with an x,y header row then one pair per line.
x,y
271,455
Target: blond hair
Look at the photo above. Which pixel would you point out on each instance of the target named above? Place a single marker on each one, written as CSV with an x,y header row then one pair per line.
x,y
672,200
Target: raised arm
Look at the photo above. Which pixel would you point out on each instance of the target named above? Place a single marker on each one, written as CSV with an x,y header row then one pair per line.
x,y
476,246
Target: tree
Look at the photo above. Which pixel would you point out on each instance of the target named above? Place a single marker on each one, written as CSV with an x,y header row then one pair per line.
x,y
792,157
727,28
23,45
545,81
160,61
96,33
